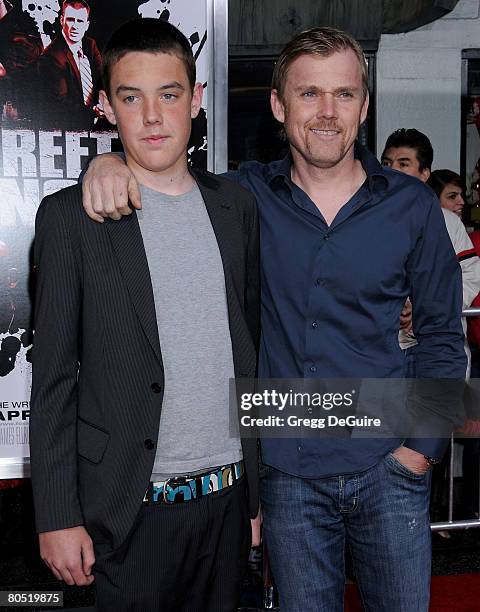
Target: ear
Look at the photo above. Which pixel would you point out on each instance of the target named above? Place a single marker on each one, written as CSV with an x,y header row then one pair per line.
x,y
425,175
196,103
364,111
107,107
278,108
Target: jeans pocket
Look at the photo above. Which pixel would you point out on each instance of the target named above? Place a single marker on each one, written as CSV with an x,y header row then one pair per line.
x,y
395,466
264,470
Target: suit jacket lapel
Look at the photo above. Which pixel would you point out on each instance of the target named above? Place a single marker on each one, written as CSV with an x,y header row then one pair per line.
x,y
72,61
219,211
229,239
128,245
127,242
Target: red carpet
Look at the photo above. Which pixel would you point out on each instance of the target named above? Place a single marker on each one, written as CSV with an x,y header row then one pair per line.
x,y
460,593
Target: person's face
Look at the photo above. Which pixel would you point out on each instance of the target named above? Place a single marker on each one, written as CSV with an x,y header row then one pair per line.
x,y
451,199
322,107
404,159
152,105
74,23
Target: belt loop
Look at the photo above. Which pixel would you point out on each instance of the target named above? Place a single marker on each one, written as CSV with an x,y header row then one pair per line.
x,y
149,493
198,486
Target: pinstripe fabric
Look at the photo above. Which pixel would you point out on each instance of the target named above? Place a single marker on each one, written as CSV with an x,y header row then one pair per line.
x,y
93,439
187,558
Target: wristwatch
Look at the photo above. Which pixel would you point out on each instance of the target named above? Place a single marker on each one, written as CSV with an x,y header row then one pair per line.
x,y
431,460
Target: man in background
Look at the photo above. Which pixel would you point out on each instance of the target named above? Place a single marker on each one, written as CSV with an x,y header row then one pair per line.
x,y
411,152
20,47
70,70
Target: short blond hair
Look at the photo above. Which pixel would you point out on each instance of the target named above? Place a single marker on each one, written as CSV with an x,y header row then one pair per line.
x,y
317,41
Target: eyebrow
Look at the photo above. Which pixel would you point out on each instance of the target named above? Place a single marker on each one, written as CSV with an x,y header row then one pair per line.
x,y
398,159
350,88
172,85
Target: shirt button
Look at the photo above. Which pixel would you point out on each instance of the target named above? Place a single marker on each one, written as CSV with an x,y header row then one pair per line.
x,y
313,368
319,282
149,445
156,388
299,449
314,325
326,237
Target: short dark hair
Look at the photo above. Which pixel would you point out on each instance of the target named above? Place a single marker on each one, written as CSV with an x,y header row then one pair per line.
x,y
413,139
76,4
152,36
317,41
439,179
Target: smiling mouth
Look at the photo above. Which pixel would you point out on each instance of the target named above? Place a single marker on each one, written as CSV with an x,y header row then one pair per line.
x,y
324,132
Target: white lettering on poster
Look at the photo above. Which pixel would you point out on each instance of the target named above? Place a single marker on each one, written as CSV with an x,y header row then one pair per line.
x,y
38,163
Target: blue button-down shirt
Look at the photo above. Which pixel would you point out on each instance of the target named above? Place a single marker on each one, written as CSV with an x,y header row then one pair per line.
x,y
332,296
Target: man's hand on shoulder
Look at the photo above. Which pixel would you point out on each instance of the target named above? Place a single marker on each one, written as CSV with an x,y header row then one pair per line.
x,y
411,459
108,186
69,554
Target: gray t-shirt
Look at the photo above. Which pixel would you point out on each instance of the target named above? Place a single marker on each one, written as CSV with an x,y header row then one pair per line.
x,y
190,301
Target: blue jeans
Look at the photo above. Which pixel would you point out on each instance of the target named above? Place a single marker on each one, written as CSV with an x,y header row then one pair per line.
x,y
382,514
410,362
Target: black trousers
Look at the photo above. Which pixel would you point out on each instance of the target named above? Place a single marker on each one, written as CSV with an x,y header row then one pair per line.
x,y
188,557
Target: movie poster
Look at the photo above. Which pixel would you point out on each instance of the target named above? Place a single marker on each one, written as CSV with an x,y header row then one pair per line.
x,y
51,122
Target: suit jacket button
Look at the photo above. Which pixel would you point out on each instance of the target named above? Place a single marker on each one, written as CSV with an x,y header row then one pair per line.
x,y
149,445
156,388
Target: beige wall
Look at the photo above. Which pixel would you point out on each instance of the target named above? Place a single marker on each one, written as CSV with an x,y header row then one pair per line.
x,y
419,81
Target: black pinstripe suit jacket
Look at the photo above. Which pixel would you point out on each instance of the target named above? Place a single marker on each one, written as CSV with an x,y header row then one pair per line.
x,y
92,425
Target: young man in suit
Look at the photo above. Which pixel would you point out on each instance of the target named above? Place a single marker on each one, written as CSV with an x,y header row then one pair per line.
x,y
138,475
70,69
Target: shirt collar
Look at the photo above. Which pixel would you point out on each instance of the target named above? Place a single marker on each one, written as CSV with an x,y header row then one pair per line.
x,y
376,175
377,178
282,168
73,48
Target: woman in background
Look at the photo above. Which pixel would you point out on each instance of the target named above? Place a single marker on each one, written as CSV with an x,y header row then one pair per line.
x,y
448,186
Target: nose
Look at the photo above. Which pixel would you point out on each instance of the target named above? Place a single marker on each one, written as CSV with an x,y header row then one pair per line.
x,y
151,111
460,200
326,108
